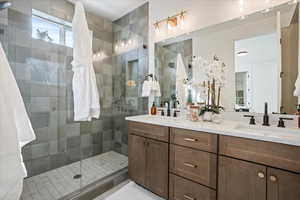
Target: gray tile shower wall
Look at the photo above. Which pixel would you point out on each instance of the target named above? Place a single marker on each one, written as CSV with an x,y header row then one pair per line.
x,y
129,66
165,65
44,76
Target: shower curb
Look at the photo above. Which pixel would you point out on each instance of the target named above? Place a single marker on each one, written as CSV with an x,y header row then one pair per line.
x,y
96,189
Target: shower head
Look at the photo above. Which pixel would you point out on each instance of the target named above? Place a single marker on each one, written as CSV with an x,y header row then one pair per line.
x,y
4,4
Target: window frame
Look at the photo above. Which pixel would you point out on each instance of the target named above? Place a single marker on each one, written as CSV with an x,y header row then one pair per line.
x,y
62,24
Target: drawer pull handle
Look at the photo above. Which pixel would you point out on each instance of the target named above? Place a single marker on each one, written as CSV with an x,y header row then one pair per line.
x,y
190,140
190,165
273,178
261,175
188,197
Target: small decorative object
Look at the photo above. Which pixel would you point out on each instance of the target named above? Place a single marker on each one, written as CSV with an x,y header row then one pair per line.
x,y
213,82
131,83
207,116
194,113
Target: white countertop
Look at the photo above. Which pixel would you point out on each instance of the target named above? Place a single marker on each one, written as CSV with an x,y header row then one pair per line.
x,y
290,136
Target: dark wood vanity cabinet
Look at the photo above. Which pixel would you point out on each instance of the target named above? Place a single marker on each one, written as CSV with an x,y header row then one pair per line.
x,y
258,177
240,180
283,185
157,167
137,159
148,160
180,164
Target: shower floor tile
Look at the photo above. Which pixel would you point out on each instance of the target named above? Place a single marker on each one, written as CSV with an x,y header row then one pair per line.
x,y
58,183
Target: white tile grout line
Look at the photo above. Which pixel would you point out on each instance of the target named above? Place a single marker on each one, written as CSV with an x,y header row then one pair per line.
x,y
59,182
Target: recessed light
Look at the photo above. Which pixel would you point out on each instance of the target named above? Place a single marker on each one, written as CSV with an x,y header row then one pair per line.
x,y
293,2
266,10
242,53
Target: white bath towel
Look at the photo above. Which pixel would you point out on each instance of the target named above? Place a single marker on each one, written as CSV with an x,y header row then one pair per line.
x,y
181,77
15,132
85,91
156,89
151,88
147,87
297,87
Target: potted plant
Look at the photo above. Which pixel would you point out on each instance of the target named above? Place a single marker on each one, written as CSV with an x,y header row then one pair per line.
x,y
211,88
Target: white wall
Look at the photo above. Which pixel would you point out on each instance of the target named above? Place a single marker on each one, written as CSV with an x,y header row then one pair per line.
x,y
262,86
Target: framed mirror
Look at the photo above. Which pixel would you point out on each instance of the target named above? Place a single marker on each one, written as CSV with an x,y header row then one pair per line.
x,y
260,57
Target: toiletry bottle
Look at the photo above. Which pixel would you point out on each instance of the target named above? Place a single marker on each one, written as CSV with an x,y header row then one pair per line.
x,y
153,109
298,113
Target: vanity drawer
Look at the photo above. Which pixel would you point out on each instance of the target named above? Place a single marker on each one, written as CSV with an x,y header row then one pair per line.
x,y
149,131
194,139
183,189
267,153
198,166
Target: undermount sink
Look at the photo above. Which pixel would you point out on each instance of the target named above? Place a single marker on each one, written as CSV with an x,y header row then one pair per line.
x,y
260,130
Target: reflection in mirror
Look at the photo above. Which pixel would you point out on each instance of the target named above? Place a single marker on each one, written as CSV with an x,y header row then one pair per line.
x,y
260,52
256,66
166,65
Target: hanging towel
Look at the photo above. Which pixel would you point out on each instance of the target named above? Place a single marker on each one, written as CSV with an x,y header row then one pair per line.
x,y
15,132
181,78
85,91
147,87
297,87
156,89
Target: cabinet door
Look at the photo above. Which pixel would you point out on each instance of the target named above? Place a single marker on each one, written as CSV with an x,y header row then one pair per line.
x,y
137,159
157,167
283,185
240,180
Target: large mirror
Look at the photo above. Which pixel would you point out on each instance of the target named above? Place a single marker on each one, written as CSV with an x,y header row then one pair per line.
x,y
258,56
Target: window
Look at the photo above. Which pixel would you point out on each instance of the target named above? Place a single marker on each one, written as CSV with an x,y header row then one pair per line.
x,y
51,29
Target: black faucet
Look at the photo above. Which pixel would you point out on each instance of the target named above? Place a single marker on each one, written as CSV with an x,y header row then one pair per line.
x,y
281,122
175,113
162,112
252,119
266,116
169,109
175,103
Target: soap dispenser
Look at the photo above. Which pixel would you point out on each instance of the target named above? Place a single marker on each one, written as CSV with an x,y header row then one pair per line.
x,y
153,109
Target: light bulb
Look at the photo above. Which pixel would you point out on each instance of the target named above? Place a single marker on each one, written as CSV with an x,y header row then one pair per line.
x,y
181,19
156,28
169,26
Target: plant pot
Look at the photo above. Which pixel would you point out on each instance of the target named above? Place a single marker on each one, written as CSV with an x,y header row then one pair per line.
x,y
208,116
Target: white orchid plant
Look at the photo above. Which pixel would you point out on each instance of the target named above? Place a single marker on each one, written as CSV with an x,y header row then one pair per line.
x,y
209,77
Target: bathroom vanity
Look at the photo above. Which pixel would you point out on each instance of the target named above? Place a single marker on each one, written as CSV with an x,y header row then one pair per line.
x,y
182,160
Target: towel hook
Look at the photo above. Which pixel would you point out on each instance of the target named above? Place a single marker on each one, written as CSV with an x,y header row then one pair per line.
x,y
153,77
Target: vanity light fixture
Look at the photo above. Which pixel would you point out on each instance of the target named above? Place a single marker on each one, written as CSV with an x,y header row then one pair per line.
x,y
99,56
172,22
181,19
126,45
242,53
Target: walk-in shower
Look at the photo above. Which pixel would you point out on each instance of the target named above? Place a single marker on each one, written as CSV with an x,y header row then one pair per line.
x,y
69,157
